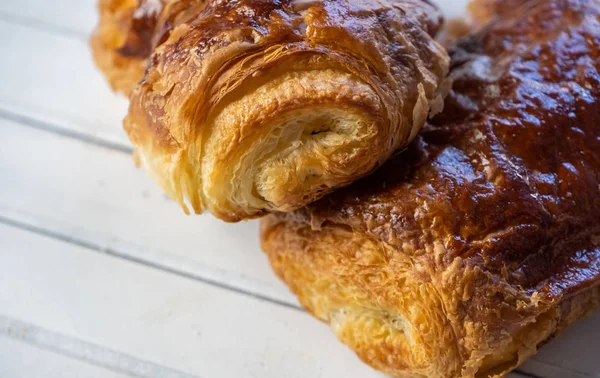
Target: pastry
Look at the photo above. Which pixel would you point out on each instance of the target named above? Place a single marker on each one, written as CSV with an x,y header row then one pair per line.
x,y
122,42
254,106
460,257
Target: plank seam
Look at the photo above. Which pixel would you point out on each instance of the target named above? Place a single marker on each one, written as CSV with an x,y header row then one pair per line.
x,y
24,120
526,375
571,372
83,351
149,264
41,25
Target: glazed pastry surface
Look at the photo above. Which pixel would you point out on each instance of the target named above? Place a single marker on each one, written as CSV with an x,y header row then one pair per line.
x,y
254,106
481,242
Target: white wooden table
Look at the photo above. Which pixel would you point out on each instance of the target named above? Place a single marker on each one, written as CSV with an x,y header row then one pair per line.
x,y
102,276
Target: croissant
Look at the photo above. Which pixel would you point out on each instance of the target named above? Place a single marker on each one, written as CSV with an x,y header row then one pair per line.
x,y
482,241
254,106
122,42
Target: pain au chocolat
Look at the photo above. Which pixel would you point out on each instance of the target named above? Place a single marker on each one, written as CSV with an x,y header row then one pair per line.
x,y
253,106
462,256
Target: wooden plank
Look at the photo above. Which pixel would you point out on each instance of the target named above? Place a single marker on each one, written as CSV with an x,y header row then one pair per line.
x,y
18,359
154,316
84,352
76,16
52,79
97,197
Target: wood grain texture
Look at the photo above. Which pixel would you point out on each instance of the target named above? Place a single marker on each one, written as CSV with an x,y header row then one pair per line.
x,y
83,351
51,78
153,316
77,16
19,359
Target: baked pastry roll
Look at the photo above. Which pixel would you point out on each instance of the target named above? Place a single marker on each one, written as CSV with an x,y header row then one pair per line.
x,y
254,106
122,42
482,241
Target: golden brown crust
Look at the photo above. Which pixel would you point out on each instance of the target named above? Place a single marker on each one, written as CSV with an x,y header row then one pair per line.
x,y
122,42
254,106
481,242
